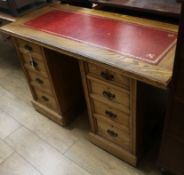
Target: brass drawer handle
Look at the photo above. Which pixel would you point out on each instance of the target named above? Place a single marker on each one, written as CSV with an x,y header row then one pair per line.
x,y
45,98
108,95
39,81
112,133
107,76
110,114
34,64
28,48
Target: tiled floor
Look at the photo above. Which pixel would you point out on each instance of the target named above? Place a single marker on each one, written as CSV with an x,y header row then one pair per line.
x,y
31,144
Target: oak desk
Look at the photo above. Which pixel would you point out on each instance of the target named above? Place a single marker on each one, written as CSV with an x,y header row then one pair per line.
x,y
110,79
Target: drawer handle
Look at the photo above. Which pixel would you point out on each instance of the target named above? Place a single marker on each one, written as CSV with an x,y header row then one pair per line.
x,y
28,48
45,98
110,114
39,81
34,64
108,95
112,133
107,76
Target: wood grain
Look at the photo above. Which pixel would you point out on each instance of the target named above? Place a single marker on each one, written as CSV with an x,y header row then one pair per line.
x,y
157,75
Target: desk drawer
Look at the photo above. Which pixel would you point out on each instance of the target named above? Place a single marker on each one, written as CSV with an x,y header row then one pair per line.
x,y
29,48
46,99
110,93
114,134
34,64
111,113
40,82
109,76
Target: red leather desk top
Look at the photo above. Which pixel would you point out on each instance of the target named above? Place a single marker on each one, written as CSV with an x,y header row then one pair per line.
x,y
129,39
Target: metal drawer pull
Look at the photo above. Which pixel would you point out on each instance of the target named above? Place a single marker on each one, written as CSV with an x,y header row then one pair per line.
x,y
107,76
45,98
34,64
108,95
39,81
112,133
110,114
28,48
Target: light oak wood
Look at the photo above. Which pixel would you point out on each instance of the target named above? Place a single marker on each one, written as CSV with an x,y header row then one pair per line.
x,y
46,100
157,75
83,69
111,113
112,123
55,96
109,75
39,67
112,94
56,56
48,113
120,101
40,82
29,48
117,106
114,134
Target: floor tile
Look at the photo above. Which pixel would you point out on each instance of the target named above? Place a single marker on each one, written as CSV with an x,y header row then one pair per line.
x,y
7,125
16,165
41,155
16,84
5,151
98,162
59,137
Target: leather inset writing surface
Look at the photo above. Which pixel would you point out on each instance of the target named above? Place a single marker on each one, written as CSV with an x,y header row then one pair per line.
x,y
129,39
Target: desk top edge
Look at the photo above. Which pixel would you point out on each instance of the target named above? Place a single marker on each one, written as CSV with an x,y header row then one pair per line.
x,y
152,74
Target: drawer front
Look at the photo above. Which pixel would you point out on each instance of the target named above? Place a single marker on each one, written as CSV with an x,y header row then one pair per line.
x,y
34,64
111,113
113,134
109,76
29,48
46,99
107,92
40,82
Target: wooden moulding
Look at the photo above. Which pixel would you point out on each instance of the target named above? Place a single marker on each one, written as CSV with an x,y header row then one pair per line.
x,y
48,113
114,149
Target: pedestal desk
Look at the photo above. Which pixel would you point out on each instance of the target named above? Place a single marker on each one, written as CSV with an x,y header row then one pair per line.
x,y
117,87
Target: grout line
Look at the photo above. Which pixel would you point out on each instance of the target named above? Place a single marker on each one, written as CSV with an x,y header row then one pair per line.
x,y
23,126
30,163
71,146
42,139
23,159
14,151
62,154
13,131
45,141
17,97
13,94
12,134
76,163
8,155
